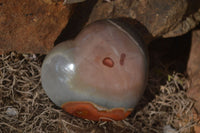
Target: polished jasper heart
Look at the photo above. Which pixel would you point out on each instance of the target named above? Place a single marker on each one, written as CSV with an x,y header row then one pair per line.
x,y
101,74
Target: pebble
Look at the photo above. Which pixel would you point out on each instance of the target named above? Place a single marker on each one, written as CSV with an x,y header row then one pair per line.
x,y
11,111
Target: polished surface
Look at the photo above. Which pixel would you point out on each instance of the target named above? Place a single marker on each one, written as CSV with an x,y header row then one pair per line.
x,y
104,65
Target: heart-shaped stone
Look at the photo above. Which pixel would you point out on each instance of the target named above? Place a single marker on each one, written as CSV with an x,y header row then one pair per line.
x,y
101,74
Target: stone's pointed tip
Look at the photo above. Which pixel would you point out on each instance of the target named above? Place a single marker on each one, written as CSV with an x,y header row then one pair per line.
x,y
87,110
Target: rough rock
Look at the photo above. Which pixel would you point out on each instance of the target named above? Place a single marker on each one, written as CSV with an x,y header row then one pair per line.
x,y
158,16
193,69
185,25
31,26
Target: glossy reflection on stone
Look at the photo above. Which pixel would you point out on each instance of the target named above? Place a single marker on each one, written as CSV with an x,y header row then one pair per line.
x,y
100,74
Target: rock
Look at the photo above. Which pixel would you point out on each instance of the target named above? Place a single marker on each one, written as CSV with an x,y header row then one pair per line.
x,y
193,69
11,111
100,75
31,26
158,16
185,25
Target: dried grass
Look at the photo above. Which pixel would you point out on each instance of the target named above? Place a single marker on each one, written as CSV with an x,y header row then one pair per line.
x,y
20,90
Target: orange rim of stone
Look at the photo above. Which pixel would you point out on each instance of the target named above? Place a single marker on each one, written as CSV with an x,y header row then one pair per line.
x,y
90,111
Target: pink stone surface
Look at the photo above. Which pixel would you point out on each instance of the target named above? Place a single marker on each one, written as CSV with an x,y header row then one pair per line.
x,y
102,40
103,66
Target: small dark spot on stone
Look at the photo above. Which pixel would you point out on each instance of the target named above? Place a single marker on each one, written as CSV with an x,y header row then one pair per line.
x,y
122,58
1,4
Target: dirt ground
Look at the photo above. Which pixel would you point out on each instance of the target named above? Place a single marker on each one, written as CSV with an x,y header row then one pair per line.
x,y
24,106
